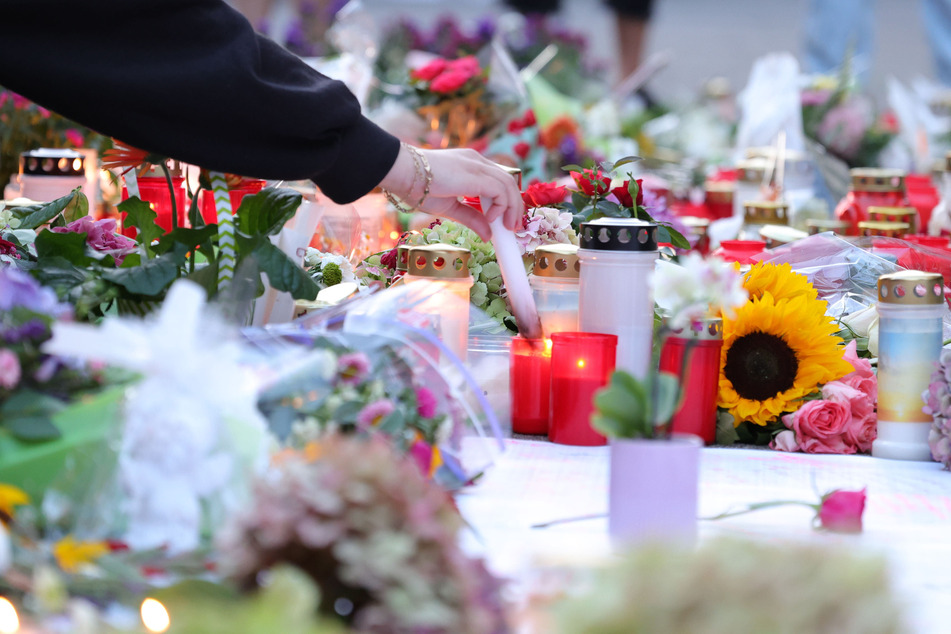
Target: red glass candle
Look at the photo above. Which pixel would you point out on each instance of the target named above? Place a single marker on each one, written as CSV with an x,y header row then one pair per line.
x,y
206,199
581,363
154,190
922,195
871,188
699,346
530,383
741,251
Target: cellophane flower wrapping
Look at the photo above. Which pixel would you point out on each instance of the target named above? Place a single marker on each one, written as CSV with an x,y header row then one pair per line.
x,y
376,365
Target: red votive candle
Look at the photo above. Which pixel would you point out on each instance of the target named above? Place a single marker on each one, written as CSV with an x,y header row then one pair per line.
x,y
206,199
699,376
530,381
581,363
154,190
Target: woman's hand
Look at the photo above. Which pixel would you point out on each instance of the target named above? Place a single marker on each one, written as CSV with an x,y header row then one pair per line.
x,y
458,173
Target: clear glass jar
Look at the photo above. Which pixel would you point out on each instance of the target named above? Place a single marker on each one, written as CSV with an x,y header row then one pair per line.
x,y
761,213
554,282
447,266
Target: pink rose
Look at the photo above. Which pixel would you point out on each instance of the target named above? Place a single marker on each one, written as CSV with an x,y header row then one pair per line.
x,y
467,65
101,236
74,137
820,426
861,378
785,441
841,511
9,369
430,71
449,81
862,429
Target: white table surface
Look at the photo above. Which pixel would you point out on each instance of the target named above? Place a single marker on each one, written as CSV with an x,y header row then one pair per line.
x,y
907,516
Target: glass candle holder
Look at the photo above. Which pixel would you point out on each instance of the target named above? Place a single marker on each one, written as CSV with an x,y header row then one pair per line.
x,y
206,199
530,381
761,213
910,305
447,265
49,173
617,261
693,354
581,364
871,188
554,283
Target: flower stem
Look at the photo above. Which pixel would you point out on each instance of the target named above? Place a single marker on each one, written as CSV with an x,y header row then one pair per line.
x,y
171,191
763,505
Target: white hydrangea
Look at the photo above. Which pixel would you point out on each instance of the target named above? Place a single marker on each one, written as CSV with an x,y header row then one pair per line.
x,y
314,257
691,290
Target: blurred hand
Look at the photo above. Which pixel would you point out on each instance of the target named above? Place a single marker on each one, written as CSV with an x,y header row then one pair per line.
x,y
459,173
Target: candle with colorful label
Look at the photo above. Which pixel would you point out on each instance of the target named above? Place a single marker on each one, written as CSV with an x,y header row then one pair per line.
x,y
581,364
910,306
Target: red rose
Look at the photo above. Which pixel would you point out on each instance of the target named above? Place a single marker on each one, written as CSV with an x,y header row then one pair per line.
x,y
449,81
841,511
467,65
522,149
516,126
388,259
624,195
430,71
544,195
529,119
590,183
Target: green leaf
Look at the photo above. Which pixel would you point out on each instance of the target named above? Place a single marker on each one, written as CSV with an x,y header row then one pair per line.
x,y
283,273
34,216
666,233
77,208
207,278
265,213
579,200
139,214
612,210
571,168
189,238
622,408
665,396
28,415
150,278
625,161
70,246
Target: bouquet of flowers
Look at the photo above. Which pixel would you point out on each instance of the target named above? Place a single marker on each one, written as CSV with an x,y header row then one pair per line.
x,y
34,386
451,97
378,539
798,388
937,400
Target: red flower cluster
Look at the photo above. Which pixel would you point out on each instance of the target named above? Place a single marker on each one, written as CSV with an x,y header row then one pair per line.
x,y
543,195
591,183
446,76
528,120
623,194
8,248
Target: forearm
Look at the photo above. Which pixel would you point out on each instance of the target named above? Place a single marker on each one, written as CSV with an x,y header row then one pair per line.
x,y
190,79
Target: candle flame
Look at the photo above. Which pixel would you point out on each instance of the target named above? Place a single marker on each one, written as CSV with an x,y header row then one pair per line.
x,y
9,621
155,616
580,363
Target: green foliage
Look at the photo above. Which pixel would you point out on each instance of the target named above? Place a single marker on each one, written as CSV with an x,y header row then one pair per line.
x,y
139,214
28,415
632,408
35,216
332,274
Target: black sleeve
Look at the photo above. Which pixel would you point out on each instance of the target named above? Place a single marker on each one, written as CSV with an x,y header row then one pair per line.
x,y
191,80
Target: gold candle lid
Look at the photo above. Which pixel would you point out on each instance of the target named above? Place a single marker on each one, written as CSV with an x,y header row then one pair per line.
x,y
557,260
697,226
883,228
869,179
778,235
914,288
709,329
402,257
443,261
901,214
818,225
719,191
765,212
752,170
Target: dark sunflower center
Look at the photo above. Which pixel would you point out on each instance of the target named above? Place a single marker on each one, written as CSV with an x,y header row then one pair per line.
x,y
760,366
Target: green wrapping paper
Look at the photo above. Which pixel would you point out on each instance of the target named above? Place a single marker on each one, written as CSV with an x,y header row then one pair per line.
x,y
87,427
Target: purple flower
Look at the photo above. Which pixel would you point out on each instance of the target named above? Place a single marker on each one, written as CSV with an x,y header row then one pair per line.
x,y
46,370
656,206
352,368
425,402
20,289
374,413
31,329
9,369
101,236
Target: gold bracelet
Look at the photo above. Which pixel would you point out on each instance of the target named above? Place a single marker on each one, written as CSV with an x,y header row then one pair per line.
x,y
420,168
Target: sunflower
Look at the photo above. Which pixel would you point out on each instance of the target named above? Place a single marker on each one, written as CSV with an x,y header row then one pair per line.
x,y
778,280
775,353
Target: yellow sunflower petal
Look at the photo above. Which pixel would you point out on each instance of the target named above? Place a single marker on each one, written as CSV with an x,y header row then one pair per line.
x,y
779,280
798,319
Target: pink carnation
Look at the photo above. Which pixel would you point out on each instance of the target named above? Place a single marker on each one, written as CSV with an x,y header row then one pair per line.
x,y
425,402
374,413
101,236
449,81
353,367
